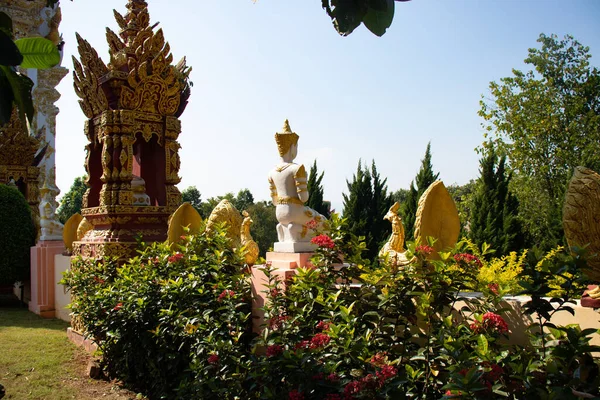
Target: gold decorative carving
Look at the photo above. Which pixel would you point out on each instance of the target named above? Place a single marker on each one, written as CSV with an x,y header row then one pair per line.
x,y
16,146
581,213
226,213
285,139
437,217
393,252
248,244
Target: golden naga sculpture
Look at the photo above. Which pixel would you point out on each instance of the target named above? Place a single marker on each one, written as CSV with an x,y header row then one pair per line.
x,y
237,230
70,231
581,213
185,216
249,245
133,105
437,217
392,252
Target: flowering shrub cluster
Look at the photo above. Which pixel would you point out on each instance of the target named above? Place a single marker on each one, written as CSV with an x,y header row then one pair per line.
x,y
337,330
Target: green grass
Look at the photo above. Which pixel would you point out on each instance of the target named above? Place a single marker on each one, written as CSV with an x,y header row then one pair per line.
x,y
37,361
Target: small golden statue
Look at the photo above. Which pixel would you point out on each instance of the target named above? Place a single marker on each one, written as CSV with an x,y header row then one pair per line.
x,y
250,246
392,252
288,183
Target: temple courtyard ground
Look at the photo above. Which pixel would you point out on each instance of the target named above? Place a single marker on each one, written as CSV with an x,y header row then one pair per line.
x,y
37,361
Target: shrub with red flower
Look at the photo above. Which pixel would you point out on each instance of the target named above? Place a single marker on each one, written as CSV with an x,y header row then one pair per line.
x,y
276,322
274,350
175,257
424,250
494,288
225,293
379,359
386,372
490,322
352,388
333,377
319,340
213,359
323,241
304,344
467,259
323,325
118,306
296,395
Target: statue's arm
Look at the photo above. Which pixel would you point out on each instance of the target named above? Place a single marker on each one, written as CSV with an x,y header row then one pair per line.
x,y
273,190
301,184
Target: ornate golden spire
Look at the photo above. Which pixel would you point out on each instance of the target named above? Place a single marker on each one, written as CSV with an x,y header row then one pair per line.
x,y
286,138
139,77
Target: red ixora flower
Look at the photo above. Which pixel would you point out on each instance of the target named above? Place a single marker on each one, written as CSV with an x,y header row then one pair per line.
x,y
295,395
323,325
118,306
274,350
468,259
319,340
424,250
379,359
333,396
226,293
494,288
333,377
277,322
304,344
323,241
353,387
175,257
386,372
213,359
490,322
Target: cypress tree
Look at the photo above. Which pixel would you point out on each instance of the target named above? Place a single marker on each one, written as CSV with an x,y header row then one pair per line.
x,y
425,177
315,191
365,205
494,207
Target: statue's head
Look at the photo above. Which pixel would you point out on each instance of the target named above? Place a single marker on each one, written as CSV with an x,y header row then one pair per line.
x,y
286,139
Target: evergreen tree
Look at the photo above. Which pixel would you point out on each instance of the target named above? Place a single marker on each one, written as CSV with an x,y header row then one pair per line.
x,y
425,177
494,208
365,205
264,225
192,195
243,200
315,191
72,200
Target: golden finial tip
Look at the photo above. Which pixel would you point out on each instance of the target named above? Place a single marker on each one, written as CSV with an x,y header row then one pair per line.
x,y
286,127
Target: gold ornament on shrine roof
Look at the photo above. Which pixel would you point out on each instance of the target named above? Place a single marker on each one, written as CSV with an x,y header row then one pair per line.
x,y
139,76
17,147
286,138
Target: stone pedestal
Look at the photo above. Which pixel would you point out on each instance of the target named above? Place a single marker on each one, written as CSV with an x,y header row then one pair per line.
x,y
284,266
587,301
294,247
42,277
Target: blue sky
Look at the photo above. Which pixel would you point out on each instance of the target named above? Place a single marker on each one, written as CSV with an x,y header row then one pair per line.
x,y
349,98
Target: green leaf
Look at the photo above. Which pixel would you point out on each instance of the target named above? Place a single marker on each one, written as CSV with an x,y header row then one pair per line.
x,y
38,53
482,345
377,20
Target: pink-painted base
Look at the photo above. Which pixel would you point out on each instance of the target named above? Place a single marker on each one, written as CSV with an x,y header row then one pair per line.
x,y
42,277
587,301
283,265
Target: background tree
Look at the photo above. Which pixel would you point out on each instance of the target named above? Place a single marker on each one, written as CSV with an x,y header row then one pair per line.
x,y
264,225
192,195
462,196
547,121
494,208
425,177
315,191
243,200
365,205
72,200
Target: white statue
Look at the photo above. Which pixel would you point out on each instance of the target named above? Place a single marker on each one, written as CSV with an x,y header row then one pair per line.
x,y
289,192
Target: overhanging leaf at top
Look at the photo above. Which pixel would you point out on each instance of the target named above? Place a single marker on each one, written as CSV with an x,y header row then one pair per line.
x,y
38,53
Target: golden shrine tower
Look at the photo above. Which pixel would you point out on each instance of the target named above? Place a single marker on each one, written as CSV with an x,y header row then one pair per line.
x,y
132,104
